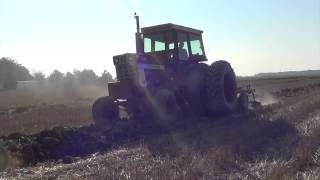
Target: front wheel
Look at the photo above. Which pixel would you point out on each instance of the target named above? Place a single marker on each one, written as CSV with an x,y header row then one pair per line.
x,y
105,112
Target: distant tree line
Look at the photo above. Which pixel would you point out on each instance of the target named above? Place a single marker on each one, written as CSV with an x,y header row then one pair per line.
x,y
11,72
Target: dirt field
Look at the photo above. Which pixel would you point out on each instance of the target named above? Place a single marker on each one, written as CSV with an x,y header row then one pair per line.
x,y
29,111
281,140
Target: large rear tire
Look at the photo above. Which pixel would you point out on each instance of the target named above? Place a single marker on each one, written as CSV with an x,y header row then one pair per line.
x,y
221,89
194,84
105,112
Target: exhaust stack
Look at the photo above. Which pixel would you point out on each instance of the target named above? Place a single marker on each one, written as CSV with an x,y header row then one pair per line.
x,y
137,22
139,38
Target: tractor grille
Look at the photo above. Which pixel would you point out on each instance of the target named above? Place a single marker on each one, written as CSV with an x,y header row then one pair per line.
x,y
126,68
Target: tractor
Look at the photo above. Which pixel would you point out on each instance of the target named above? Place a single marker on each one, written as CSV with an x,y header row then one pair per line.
x,y
167,77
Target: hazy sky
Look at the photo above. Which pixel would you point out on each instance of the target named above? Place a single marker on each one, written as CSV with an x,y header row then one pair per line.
x,y
254,35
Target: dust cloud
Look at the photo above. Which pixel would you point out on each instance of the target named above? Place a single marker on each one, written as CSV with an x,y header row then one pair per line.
x,y
49,93
266,98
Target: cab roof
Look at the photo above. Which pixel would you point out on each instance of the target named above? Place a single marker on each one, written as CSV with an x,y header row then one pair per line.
x,y
169,26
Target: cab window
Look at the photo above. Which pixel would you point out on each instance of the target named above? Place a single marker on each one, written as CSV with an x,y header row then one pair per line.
x,y
196,45
159,46
147,44
170,40
154,43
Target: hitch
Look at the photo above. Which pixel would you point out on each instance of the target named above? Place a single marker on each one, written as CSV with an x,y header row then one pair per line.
x,y
251,91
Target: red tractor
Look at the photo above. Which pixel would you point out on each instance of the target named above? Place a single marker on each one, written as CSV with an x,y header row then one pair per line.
x,y
167,77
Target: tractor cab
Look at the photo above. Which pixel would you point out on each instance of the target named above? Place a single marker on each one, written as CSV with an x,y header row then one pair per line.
x,y
162,52
171,44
